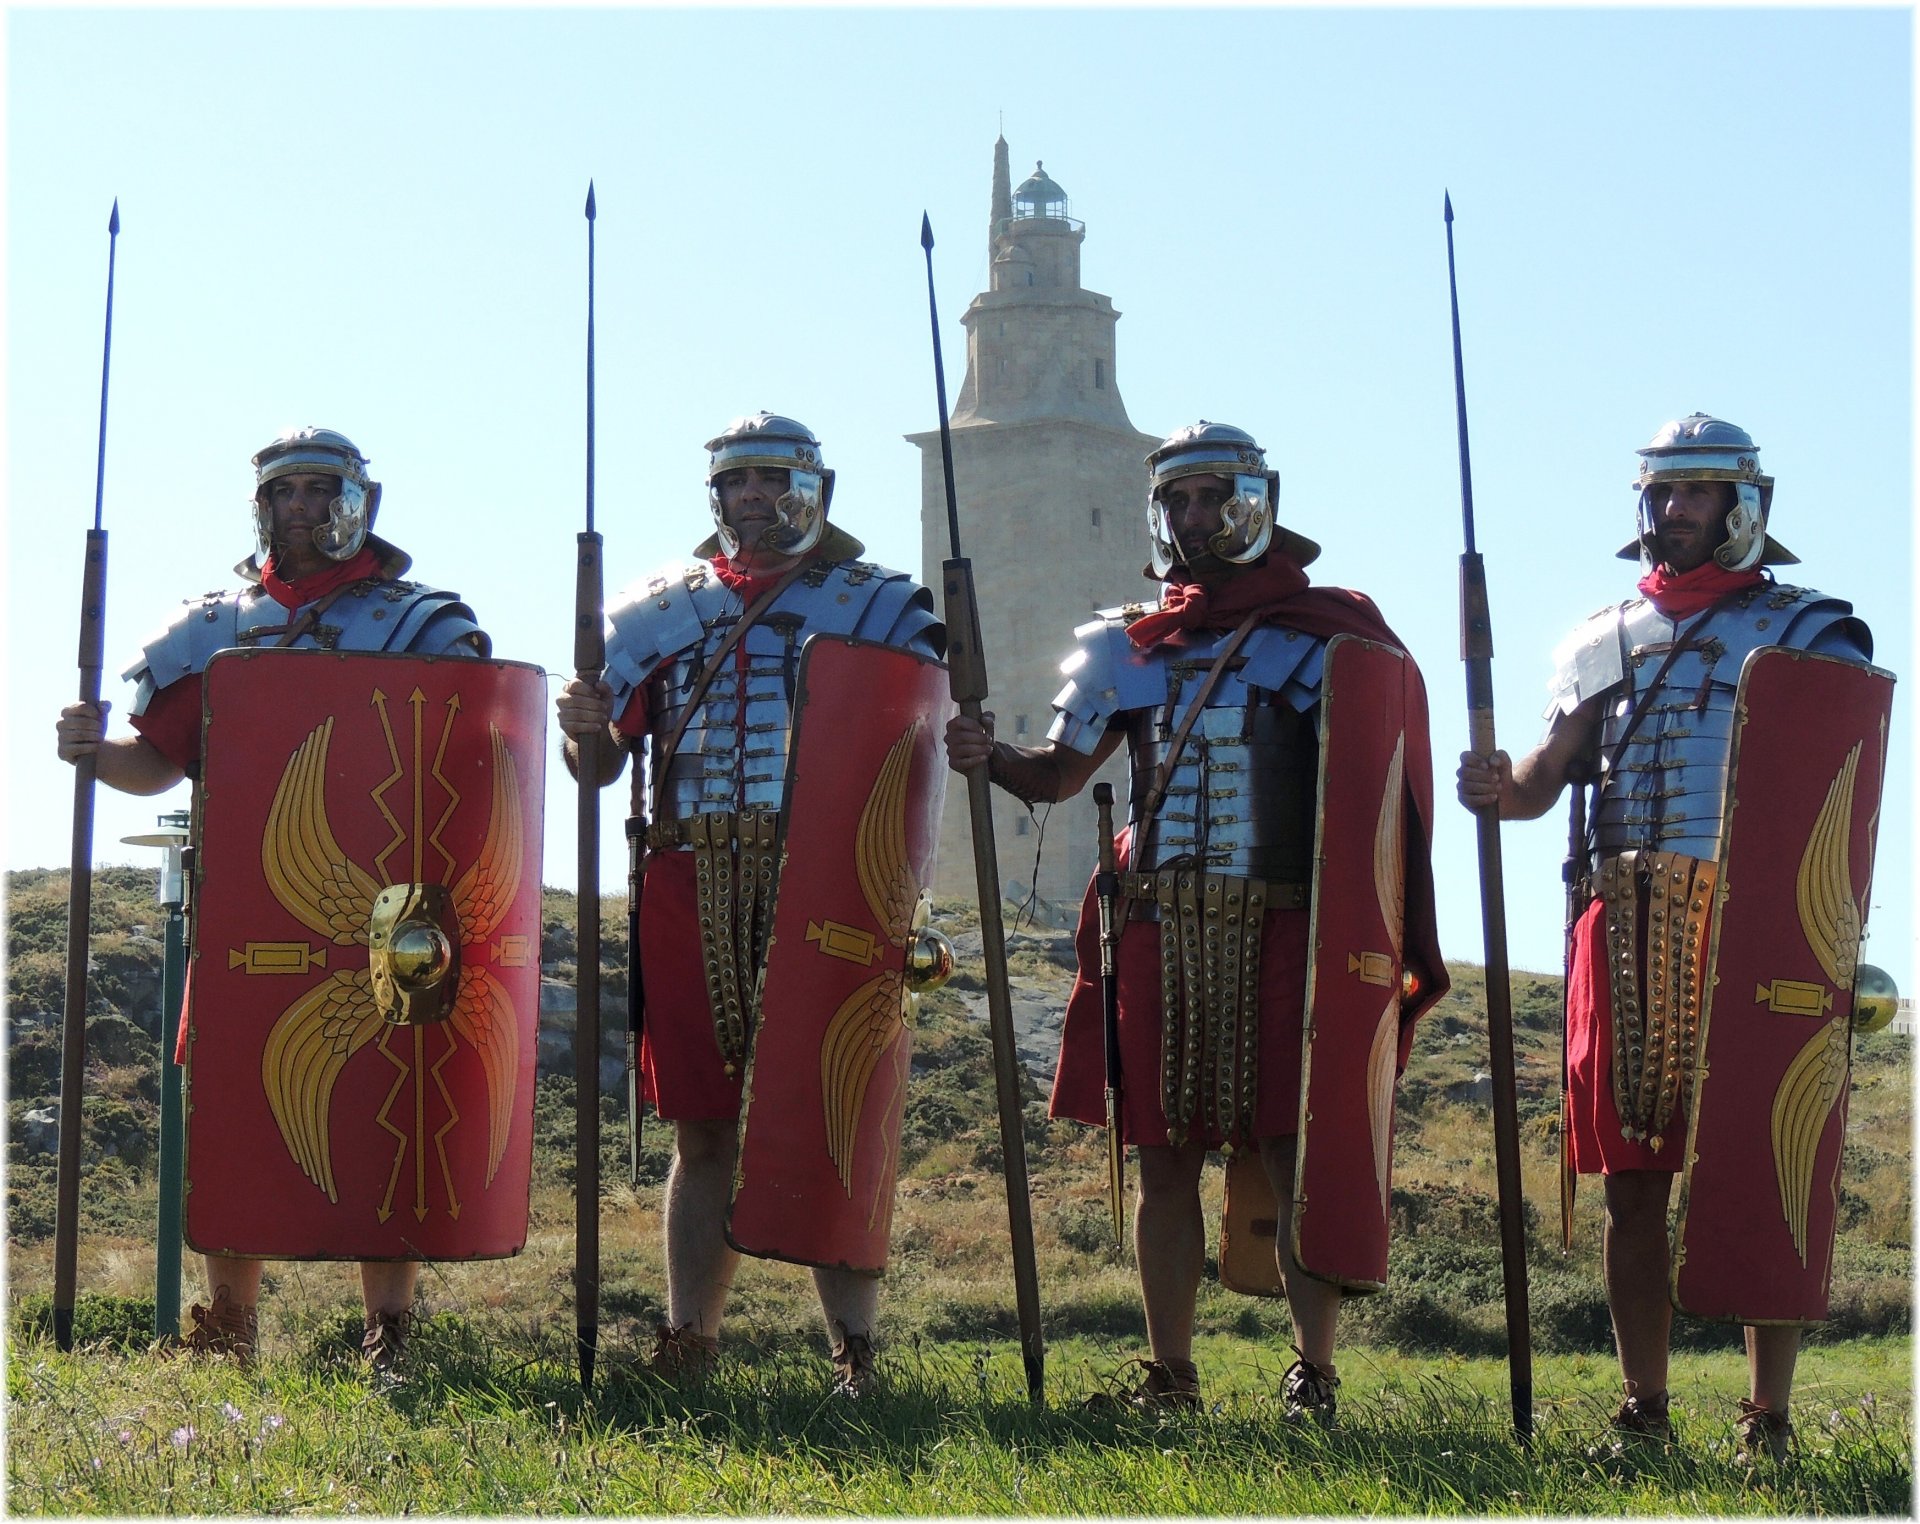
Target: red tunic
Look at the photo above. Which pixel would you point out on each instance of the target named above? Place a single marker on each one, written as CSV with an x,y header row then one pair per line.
x,y
681,1070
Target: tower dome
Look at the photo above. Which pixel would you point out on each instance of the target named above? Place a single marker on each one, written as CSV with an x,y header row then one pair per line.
x,y
1039,196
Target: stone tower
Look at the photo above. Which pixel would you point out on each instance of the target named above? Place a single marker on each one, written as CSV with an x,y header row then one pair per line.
x,y
1051,481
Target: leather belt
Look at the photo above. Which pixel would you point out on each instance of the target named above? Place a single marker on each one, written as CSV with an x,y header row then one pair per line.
x,y
1140,888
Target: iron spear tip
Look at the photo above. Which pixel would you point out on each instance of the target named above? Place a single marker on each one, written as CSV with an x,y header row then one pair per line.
x,y
590,208
1449,201
113,222
926,233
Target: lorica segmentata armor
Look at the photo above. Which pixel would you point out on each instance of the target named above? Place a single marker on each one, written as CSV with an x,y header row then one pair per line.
x,y
661,633
719,795
1241,797
1665,790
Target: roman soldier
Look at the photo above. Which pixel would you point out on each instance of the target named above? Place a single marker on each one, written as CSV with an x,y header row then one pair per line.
x,y
783,694
1734,737
318,578
1273,728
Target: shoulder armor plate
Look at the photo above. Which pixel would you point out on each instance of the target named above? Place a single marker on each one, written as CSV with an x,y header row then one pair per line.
x,y
1589,661
370,616
653,618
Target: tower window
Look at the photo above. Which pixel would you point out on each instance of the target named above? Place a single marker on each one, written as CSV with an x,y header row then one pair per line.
x,y
1001,363
1019,724
1029,277
1099,382
1096,518
1021,825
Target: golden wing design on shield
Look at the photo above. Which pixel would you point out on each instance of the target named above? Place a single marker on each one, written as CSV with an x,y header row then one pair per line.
x,y
309,1045
869,1020
308,871
486,890
1381,1063
1808,1092
1824,887
483,1014
1390,885
887,879
1390,850
864,1028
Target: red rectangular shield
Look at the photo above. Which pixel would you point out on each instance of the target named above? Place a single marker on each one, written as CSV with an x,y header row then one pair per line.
x,y
826,1079
1753,1241
331,782
1344,1165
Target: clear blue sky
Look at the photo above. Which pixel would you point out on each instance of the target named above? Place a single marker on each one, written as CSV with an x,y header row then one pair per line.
x,y
371,220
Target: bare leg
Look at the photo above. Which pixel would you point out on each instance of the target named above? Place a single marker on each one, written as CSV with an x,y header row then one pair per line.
x,y
387,1285
241,1277
1169,1241
850,1302
1315,1304
700,1262
1771,1353
1634,1251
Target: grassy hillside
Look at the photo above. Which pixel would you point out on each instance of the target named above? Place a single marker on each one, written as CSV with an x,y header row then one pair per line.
x,y
949,1276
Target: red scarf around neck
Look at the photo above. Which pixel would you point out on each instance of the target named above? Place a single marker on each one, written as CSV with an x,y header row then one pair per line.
x,y
750,585
311,588
1277,589
1681,595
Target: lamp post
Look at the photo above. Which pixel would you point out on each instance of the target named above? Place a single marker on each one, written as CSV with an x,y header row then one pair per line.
x,y
171,838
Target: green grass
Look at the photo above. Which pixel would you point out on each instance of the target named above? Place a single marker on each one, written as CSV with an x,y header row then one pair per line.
x,y
493,1422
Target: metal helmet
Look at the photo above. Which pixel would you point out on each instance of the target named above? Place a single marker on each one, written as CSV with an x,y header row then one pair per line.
x,y
322,452
770,441
1247,524
1699,448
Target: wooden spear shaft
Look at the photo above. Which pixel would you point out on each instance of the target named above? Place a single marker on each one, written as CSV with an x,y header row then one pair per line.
x,y
967,672
73,1023
1476,651
589,658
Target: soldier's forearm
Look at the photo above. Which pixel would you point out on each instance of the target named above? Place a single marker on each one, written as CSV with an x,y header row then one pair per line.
x,y
1034,777
1535,786
613,756
133,765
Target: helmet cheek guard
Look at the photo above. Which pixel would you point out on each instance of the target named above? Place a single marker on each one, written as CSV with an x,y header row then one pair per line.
x,y
1246,519
1245,532
802,512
